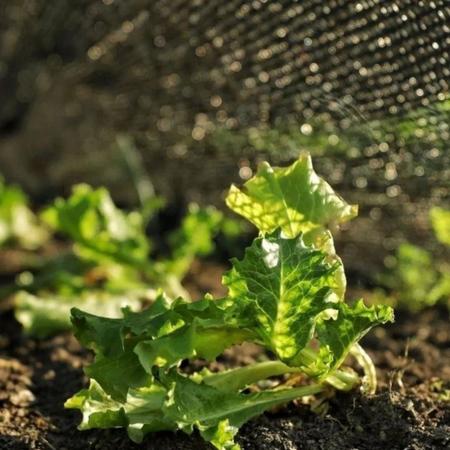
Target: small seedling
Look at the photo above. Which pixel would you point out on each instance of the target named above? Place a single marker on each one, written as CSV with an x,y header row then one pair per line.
x,y
286,294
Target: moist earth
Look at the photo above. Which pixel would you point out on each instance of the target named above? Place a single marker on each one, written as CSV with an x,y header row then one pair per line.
x,y
411,410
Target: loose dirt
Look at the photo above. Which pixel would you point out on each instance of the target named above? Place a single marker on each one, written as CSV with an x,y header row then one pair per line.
x,y
411,410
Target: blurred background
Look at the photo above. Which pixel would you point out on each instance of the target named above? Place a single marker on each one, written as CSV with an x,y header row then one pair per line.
x,y
191,94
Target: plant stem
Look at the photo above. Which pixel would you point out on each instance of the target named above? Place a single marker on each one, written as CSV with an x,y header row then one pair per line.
x,y
344,381
241,377
236,379
369,384
339,379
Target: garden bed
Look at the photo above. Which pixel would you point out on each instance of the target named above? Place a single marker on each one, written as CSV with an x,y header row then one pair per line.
x,y
285,298
410,411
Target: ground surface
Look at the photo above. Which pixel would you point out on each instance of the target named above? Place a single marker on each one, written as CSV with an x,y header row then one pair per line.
x,y
411,410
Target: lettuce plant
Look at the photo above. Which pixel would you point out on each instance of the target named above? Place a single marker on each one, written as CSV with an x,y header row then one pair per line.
x,y
111,264
286,294
418,279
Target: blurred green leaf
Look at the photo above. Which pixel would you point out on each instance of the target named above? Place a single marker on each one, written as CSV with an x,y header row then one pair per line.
x,y
194,238
416,279
100,230
440,220
44,316
18,224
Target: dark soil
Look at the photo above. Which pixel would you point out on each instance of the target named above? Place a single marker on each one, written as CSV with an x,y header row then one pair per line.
x,y
411,410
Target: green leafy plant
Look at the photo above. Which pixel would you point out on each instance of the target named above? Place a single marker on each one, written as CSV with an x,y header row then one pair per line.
x,y
418,279
286,294
100,231
110,264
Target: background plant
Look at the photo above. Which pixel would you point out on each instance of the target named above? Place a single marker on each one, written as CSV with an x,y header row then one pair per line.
x,y
417,279
106,259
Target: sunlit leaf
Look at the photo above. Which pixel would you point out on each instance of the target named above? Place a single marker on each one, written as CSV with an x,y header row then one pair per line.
x,y
290,286
294,199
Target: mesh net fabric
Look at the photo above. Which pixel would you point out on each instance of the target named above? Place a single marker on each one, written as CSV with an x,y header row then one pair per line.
x,y
212,86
